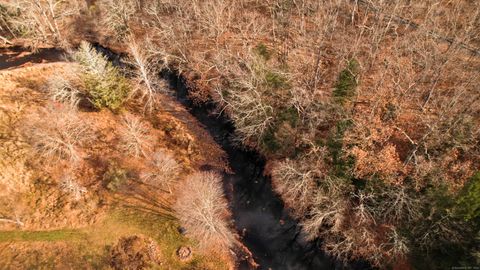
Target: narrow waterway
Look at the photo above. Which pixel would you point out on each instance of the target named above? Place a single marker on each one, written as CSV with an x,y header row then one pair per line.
x,y
260,217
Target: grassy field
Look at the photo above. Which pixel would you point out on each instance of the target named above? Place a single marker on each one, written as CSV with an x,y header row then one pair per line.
x,y
88,247
55,235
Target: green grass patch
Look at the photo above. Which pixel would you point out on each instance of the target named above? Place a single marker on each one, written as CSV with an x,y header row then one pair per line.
x,y
163,229
91,244
54,235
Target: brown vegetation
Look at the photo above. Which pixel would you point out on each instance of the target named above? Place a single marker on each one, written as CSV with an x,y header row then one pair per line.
x,y
370,109
164,171
134,136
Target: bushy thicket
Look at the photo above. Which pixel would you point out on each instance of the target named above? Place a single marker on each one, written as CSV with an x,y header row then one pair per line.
x,y
163,173
58,134
135,138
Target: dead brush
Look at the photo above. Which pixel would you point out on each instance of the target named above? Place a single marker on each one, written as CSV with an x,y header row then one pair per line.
x,y
58,133
164,173
135,136
64,89
42,22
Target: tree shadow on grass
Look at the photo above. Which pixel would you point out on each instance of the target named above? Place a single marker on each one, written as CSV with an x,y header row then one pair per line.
x,y
140,197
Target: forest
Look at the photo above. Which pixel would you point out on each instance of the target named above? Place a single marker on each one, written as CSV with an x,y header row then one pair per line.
x,y
366,112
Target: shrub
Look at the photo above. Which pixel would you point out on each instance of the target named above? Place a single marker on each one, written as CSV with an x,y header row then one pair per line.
x,y
263,51
104,84
134,136
64,90
59,134
164,172
468,202
347,82
203,211
117,16
7,15
39,21
114,177
70,186
276,80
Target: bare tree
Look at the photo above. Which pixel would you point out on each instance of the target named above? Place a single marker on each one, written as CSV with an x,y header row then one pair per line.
x,y
118,15
397,245
329,205
248,103
164,171
362,211
295,182
15,221
44,21
441,228
203,210
146,73
403,206
58,134
63,89
135,136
